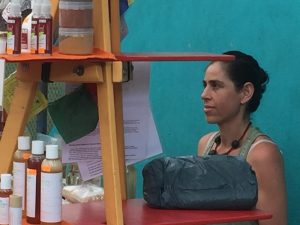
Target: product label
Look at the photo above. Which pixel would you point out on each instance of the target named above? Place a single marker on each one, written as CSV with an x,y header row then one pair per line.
x,y
31,192
19,180
15,216
51,197
34,36
4,209
45,35
13,35
24,39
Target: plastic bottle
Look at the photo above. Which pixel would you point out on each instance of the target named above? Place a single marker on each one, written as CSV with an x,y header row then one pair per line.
x,y
5,192
15,210
45,28
33,193
14,25
51,187
19,168
36,11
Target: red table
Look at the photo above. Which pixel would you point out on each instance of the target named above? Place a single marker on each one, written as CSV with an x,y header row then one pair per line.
x,y
136,212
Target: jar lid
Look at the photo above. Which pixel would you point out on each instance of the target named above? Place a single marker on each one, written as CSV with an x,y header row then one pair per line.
x,y
75,31
24,143
80,5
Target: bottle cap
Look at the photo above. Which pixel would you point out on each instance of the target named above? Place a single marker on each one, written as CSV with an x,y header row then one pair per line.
x,y
37,147
15,201
51,151
5,181
24,143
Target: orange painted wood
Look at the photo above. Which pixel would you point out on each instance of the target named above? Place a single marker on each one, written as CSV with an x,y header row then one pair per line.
x,y
172,56
136,212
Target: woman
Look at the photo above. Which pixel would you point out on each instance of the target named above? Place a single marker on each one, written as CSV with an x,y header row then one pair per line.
x,y
232,91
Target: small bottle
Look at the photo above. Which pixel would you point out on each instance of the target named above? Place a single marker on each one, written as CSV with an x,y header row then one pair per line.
x,y
5,192
36,8
19,168
15,210
51,187
45,28
14,25
33,191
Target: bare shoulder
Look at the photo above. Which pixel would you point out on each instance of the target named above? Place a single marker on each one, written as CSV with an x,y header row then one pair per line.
x,y
267,162
203,142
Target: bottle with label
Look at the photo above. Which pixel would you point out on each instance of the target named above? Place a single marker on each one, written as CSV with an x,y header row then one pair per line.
x,y
51,187
36,10
14,25
33,191
45,28
5,192
15,210
19,168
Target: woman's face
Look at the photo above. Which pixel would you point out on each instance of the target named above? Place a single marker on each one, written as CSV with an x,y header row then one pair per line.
x,y
222,102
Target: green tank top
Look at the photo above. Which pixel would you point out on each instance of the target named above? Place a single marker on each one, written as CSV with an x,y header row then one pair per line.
x,y
252,135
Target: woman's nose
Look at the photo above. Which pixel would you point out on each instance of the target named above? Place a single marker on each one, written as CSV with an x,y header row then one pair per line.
x,y
204,94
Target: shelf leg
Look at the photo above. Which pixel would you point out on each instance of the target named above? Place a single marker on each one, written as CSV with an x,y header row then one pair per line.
x,y
16,122
110,160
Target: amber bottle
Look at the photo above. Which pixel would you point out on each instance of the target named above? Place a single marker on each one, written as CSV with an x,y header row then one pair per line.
x,y
33,191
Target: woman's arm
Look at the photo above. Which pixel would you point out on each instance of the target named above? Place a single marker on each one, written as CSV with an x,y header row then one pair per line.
x,y
266,160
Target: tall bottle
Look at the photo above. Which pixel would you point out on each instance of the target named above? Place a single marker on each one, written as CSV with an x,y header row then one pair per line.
x,y
14,27
51,187
19,168
36,11
33,193
5,192
45,28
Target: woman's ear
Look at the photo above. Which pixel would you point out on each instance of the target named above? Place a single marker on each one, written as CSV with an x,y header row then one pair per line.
x,y
247,92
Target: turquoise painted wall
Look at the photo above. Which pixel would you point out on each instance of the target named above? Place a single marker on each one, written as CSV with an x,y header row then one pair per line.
x,y
268,30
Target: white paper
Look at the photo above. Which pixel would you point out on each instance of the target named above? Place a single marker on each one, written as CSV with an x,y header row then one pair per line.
x,y
141,138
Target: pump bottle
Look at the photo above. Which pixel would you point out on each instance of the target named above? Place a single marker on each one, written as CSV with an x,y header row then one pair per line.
x,y
14,27
51,187
33,191
5,192
45,28
19,168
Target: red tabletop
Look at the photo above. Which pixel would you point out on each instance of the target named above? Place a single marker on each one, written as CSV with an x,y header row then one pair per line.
x,y
136,212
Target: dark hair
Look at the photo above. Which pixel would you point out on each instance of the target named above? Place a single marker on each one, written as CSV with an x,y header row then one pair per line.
x,y
246,69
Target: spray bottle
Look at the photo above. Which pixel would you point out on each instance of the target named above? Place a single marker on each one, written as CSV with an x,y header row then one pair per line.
x,y
14,25
45,28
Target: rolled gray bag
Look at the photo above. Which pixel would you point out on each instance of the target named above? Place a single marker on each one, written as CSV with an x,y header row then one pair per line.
x,y
193,182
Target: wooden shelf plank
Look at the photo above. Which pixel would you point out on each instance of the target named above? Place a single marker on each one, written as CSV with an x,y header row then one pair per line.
x,y
136,212
172,56
100,55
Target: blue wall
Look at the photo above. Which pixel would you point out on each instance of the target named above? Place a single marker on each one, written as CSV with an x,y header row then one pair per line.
x,y
268,30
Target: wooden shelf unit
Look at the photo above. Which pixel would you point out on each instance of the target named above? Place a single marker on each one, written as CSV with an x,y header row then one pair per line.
x,y
105,70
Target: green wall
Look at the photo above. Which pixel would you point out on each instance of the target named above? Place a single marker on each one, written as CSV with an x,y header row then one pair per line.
x,y
268,30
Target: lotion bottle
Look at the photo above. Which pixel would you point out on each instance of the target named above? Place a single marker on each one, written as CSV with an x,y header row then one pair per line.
x,y
36,11
5,192
19,168
33,191
14,27
51,187
45,28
